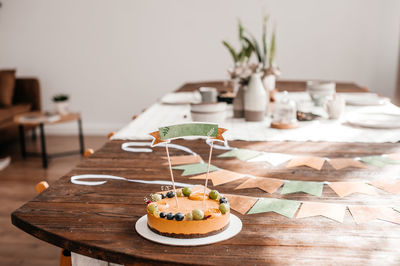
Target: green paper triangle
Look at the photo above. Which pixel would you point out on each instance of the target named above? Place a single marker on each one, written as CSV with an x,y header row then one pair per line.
x,y
195,169
378,161
283,207
241,154
313,188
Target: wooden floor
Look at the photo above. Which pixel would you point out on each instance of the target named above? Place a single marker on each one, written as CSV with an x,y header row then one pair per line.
x,y
17,185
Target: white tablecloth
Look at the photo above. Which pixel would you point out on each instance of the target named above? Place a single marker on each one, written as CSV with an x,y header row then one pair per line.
x,y
159,115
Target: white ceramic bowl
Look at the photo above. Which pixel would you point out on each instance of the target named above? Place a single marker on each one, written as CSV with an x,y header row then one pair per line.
x,y
213,117
208,107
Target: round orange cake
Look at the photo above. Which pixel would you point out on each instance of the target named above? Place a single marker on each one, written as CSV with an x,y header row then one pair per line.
x,y
190,218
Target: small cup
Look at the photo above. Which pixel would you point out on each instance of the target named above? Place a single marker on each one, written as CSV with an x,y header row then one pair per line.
x,y
208,94
335,106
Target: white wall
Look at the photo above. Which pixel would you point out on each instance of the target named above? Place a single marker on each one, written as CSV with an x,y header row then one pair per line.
x,y
116,57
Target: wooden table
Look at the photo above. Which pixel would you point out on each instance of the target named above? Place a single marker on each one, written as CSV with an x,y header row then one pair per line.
x,y
99,221
40,121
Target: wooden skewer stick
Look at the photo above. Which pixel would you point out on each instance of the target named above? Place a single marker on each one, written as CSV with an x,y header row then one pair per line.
x,y
172,174
208,171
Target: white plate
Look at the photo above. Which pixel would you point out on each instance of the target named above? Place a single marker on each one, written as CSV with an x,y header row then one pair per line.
x,y
181,98
234,227
375,120
364,99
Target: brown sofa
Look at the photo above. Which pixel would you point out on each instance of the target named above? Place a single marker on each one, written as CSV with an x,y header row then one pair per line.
x,y
26,98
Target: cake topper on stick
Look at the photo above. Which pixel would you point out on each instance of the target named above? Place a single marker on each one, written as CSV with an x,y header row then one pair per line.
x,y
166,134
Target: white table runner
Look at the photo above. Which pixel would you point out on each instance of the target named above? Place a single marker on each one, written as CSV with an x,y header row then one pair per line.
x,y
159,115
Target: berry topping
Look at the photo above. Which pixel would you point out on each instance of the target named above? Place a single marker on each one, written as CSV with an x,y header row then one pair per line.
x,y
155,197
170,194
179,193
148,202
224,208
179,216
163,196
206,217
163,215
223,200
213,194
198,214
170,216
186,191
189,216
152,207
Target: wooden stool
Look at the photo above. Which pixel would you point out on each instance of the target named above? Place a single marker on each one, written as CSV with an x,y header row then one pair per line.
x,y
65,257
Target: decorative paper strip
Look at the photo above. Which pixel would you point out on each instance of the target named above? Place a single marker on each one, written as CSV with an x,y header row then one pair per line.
x,y
269,185
394,156
184,159
241,204
346,188
313,188
310,161
220,176
340,163
397,208
184,130
283,207
378,161
391,186
272,158
194,169
241,154
363,214
332,211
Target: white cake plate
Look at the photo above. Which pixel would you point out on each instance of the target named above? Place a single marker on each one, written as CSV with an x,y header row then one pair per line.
x,y
234,227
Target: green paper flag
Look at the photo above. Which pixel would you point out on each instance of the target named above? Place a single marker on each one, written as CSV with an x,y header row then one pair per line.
x,y
313,188
194,129
378,161
286,208
194,169
241,154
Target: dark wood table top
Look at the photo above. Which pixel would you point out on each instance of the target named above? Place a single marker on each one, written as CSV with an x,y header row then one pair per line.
x,y
99,221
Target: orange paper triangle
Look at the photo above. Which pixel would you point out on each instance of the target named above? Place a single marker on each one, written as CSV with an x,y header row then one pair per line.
x,y
241,204
332,211
340,163
310,161
184,159
363,214
220,177
346,188
390,186
269,185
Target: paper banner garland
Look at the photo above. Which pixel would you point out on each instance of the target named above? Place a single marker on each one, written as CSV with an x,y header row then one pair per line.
x,y
194,169
220,176
286,208
378,161
310,161
241,204
272,158
269,185
184,159
333,211
346,188
340,163
313,188
363,214
390,186
241,154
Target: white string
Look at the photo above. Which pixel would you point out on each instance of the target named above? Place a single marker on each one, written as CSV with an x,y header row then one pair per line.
x,y
76,179
219,147
127,147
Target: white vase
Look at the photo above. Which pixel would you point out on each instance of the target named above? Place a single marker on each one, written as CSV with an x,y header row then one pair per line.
x,y
238,103
269,82
255,99
62,108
